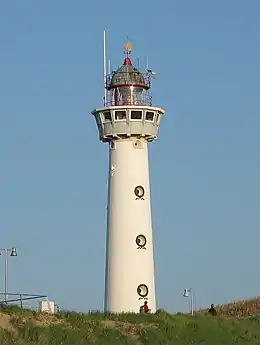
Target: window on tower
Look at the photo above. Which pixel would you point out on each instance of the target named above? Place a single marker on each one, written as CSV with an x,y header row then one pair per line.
x,y
136,114
107,116
120,115
149,115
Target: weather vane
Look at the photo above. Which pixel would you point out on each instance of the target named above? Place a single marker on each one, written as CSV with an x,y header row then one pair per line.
x,y
128,48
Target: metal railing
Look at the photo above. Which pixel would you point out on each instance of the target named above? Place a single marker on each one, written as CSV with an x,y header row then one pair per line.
x,y
128,98
19,298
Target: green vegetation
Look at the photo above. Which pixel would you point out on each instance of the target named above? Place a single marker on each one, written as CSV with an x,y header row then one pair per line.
x,y
236,323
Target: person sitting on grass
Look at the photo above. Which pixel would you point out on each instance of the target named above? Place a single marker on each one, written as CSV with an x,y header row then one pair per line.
x,y
212,310
144,308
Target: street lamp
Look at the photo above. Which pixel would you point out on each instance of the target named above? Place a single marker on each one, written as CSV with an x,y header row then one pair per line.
x,y
189,293
13,252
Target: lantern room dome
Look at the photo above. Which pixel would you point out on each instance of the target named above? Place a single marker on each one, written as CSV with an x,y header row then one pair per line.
x,y
127,75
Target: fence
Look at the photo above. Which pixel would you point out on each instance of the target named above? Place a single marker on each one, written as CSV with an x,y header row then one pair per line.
x,y
23,300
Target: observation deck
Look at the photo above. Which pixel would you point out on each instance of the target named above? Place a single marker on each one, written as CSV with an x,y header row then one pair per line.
x,y
128,110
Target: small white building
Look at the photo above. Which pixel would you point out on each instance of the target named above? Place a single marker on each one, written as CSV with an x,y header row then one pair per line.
x,y
47,307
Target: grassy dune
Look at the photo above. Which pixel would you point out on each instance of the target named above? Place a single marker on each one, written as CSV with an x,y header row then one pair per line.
x,y
236,323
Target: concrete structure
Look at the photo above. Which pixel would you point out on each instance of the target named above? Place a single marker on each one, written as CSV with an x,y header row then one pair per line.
x,y
128,122
47,307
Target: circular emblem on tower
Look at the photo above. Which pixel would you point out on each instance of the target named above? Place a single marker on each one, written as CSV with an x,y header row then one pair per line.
x,y
139,192
141,241
142,290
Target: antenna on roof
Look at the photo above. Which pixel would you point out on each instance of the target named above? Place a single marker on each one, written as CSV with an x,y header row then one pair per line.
x,y
149,71
109,67
105,66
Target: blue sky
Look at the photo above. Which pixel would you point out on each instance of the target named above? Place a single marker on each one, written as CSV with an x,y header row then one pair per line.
x,y
204,167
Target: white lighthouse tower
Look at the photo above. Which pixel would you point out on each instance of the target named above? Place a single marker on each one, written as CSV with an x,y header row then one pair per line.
x,y
128,122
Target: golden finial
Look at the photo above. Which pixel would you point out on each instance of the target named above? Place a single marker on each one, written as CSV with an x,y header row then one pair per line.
x,y
128,47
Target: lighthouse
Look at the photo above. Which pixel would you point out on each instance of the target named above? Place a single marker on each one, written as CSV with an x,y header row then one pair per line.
x,y
128,122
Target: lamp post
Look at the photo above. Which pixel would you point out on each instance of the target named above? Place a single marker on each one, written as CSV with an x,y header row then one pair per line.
x,y
13,252
189,293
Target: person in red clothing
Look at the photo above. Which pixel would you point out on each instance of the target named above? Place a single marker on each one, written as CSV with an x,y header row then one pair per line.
x,y
144,308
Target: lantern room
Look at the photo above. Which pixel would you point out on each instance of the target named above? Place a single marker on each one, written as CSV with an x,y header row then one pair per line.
x,y
128,86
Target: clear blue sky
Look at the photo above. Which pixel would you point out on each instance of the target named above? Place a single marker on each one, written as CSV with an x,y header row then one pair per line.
x,y
205,166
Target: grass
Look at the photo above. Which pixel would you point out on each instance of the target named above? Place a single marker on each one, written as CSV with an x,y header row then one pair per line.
x,y
236,323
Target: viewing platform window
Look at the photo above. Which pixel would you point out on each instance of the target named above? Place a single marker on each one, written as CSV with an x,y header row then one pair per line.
x,y
149,115
120,115
107,116
136,115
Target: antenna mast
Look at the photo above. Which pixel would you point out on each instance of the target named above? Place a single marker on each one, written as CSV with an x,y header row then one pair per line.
x,y
109,66
105,67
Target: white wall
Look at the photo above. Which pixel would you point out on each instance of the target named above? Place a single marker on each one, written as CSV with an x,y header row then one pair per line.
x,y
127,266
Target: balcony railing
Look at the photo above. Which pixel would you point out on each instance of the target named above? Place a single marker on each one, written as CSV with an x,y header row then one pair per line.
x,y
145,100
